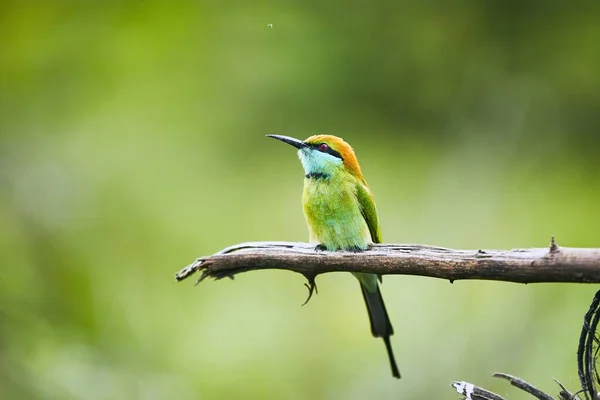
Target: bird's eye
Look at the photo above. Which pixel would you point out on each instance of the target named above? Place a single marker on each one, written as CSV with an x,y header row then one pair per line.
x,y
323,147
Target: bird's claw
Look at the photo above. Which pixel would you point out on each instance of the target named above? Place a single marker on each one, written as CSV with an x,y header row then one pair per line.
x,y
312,287
320,247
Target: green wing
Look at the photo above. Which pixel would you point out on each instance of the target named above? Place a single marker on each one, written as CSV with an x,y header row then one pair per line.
x,y
369,211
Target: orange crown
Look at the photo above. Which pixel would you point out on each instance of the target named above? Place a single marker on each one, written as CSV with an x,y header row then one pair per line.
x,y
345,150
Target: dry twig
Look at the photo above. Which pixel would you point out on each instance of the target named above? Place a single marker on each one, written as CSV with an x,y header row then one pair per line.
x,y
554,264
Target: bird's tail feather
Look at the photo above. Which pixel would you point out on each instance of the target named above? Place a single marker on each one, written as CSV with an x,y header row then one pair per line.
x,y
388,346
380,322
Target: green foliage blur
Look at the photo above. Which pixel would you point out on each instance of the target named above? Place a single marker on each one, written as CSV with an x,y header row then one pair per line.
x,y
132,142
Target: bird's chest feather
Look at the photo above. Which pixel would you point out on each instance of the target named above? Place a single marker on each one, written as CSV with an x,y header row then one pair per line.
x,y
333,214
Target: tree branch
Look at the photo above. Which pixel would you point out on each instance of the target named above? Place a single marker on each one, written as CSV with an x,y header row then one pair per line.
x,y
521,384
553,264
473,392
468,391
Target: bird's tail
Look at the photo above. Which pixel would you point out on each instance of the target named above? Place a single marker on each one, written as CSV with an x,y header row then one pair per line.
x,y
380,322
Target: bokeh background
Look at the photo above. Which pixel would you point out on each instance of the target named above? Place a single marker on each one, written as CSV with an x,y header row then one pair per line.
x,y
132,141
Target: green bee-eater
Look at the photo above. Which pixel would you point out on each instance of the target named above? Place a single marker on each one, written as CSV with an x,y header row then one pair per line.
x,y
341,215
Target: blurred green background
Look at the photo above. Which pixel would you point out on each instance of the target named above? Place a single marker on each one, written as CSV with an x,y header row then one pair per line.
x,y
132,141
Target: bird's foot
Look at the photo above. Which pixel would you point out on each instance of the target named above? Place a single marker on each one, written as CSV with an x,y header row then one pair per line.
x,y
356,249
320,247
312,287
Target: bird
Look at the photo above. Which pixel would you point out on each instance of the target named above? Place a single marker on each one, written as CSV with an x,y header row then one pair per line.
x,y
340,212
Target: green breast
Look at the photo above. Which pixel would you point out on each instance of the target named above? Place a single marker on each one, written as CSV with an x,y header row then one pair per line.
x,y
333,214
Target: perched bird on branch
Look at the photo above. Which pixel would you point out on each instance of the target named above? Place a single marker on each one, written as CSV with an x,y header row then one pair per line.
x,y
341,215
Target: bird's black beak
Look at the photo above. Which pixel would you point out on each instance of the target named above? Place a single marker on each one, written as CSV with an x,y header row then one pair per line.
x,y
299,144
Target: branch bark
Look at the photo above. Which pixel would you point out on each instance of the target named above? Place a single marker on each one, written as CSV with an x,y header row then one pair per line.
x,y
473,392
468,391
552,264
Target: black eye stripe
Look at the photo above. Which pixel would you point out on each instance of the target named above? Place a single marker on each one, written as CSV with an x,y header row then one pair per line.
x,y
328,151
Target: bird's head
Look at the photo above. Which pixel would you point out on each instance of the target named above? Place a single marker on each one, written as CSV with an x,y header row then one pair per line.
x,y
324,154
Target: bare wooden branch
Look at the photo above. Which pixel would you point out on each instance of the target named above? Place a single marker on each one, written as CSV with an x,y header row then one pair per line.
x,y
523,385
552,264
473,392
564,393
